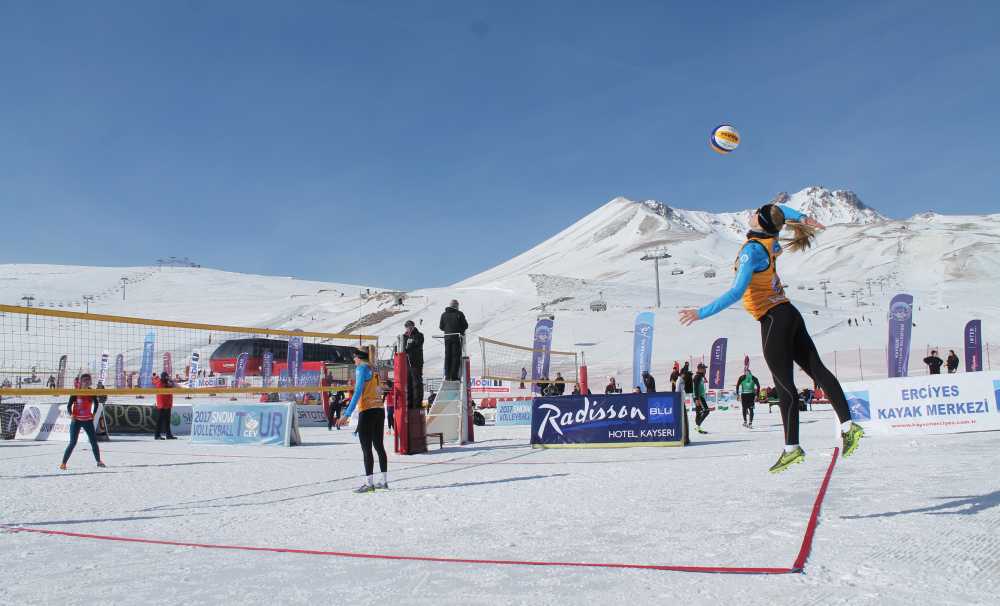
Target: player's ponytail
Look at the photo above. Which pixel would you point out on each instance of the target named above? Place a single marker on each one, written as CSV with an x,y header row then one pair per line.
x,y
772,220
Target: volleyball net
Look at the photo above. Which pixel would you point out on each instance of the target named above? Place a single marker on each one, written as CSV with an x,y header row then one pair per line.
x,y
514,363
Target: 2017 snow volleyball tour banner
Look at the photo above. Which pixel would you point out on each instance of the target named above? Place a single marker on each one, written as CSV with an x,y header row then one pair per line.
x,y
270,424
608,421
929,404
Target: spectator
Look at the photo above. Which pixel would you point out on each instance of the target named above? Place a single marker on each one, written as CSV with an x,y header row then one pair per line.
x,y
326,381
336,405
699,391
524,376
612,386
674,375
164,408
576,389
649,382
637,389
952,362
413,345
559,384
51,383
687,378
389,401
934,363
453,324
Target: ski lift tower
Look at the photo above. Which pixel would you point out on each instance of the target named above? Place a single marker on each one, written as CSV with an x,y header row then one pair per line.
x,y
655,257
826,289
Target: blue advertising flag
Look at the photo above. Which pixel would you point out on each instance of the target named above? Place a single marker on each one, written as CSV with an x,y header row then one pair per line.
x,y
194,369
642,348
102,375
974,346
717,366
634,419
266,367
294,360
241,369
900,329
146,368
541,357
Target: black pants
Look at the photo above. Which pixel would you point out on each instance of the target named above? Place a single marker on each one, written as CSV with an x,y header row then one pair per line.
x,y
452,358
163,422
370,432
415,386
748,401
74,435
700,410
785,341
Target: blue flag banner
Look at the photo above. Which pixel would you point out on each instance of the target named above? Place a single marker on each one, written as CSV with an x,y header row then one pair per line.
x,y
241,369
900,329
269,424
541,357
642,348
119,371
974,346
608,421
717,365
146,368
266,368
102,375
193,369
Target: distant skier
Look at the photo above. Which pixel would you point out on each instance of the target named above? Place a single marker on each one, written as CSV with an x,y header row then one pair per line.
x,y
700,405
952,362
934,363
82,409
649,382
747,386
783,332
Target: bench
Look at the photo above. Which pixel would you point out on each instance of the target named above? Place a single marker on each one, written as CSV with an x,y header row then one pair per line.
x,y
440,437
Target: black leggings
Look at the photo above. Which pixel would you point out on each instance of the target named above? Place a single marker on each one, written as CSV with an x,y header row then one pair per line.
x,y
74,434
371,428
748,402
163,421
700,410
785,341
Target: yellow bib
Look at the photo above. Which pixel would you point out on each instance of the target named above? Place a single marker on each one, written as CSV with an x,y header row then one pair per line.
x,y
369,394
765,290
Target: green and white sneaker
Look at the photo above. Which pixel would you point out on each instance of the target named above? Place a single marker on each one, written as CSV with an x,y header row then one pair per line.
x,y
788,459
852,438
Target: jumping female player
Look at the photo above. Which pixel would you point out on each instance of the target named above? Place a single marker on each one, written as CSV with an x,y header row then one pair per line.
x,y
782,328
371,422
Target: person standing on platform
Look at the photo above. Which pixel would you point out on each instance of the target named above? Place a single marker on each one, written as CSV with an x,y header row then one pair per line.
x,y
453,324
413,345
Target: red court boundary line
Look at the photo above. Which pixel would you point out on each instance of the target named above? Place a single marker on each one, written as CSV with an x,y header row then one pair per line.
x,y
798,566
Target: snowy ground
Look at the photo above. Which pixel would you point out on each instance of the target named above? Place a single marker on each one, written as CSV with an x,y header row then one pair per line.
x,y
905,521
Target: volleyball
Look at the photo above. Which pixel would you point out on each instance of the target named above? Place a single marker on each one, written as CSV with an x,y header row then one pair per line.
x,y
725,138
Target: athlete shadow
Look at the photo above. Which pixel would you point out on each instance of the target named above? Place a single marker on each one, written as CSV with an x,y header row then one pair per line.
x,y
148,465
962,506
94,520
453,449
714,442
62,475
486,482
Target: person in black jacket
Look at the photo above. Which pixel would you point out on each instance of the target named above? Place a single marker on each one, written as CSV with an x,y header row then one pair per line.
x,y
413,345
952,362
933,362
453,325
559,384
649,382
674,375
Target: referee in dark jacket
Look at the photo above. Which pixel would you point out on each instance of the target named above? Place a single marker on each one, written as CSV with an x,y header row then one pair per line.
x,y
453,325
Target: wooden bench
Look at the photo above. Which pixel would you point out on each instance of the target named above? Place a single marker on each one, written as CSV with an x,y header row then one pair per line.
x,y
440,437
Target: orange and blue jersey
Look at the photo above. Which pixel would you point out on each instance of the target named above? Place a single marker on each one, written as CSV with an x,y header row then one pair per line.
x,y
365,391
757,281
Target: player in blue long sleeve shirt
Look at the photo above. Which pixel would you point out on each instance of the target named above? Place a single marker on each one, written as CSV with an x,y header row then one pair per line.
x,y
371,422
362,374
785,340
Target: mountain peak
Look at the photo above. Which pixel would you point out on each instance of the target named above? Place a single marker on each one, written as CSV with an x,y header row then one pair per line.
x,y
830,206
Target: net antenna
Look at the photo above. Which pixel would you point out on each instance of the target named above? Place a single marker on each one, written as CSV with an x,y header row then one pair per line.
x,y
510,362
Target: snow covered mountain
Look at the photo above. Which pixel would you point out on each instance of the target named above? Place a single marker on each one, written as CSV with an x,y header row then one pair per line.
x,y
947,262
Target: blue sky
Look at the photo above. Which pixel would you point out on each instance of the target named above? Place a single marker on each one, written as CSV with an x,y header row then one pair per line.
x,y
416,143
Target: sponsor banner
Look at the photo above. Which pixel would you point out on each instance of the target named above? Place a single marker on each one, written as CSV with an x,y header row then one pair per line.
x,y
974,346
642,348
608,421
119,371
193,369
900,327
266,368
61,373
513,413
48,422
146,368
217,381
241,369
717,365
480,385
294,359
102,375
138,418
10,415
926,405
541,357
268,424
723,399
311,415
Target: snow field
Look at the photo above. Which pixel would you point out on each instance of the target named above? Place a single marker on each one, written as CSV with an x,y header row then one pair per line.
x,y
904,520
